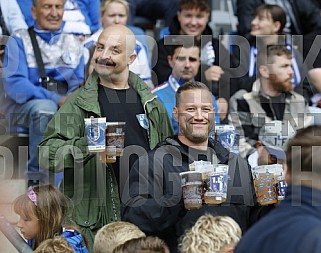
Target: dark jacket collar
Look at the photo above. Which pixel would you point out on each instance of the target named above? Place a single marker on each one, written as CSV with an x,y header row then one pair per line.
x,y
88,97
221,153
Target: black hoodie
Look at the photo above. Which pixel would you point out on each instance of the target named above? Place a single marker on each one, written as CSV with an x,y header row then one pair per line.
x,y
155,201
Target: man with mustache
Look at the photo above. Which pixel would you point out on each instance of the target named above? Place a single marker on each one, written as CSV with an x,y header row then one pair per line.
x,y
29,99
111,91
185,61
272,98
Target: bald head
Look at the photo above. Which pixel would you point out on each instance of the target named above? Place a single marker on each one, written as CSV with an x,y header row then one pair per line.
x,y
114,52
121,33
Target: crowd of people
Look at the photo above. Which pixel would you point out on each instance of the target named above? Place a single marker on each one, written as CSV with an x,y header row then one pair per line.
x,y
64,61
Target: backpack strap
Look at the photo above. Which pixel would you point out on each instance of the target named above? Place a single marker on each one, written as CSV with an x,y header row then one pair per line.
x,y
36,49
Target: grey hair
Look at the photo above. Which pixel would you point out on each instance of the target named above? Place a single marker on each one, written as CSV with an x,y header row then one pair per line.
x,y
35,2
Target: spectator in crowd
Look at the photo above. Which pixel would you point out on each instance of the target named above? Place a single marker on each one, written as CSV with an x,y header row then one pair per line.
x,y
271,146
111,91
43,211
116,12
152,10
115,234
154,199
267,29
295,225
211,234
185,61
89,9
31,101
303,17
272,98
149,244
270,20
56,245
192,19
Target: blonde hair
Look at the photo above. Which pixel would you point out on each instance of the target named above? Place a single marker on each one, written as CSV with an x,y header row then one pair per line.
x,y
149,244
114,234
104,5
210,234
50,206
56,245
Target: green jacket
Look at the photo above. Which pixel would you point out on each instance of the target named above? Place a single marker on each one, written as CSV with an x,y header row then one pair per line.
x,y
87,181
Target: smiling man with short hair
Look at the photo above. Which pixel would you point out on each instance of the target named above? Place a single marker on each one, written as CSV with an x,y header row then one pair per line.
x,y
185,61
154,199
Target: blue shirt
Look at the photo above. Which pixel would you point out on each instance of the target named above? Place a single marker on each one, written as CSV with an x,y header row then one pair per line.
x,y
62,58
292,227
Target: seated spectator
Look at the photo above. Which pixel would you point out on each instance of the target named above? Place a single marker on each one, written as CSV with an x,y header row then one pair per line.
x,y
272,98
152,10
56,245
43,211
271,146
115,234
147,244
295,225
211,234
185,61
89,9
303,17
116,12
31,101
192,19
267,29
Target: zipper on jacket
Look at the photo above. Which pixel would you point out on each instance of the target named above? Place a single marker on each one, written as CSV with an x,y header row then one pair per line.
x,y
148,132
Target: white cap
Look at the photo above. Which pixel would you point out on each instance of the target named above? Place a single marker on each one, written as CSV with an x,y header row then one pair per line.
x,y
275,136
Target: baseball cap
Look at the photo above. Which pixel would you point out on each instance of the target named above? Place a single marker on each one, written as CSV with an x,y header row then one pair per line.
x,y
275,136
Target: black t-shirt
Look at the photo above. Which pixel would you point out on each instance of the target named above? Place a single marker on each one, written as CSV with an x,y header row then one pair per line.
x,y
278,105
124,106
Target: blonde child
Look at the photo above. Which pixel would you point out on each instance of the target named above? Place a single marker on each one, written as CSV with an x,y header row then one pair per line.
x,y
211,234
114,234
149,244
56,245
43,210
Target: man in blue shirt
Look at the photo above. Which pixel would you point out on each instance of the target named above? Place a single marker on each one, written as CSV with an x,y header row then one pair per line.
x,y
184,61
